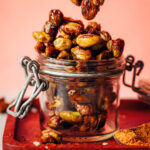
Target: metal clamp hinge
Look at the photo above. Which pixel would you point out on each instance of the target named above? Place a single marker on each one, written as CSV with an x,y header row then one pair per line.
x,y
31,69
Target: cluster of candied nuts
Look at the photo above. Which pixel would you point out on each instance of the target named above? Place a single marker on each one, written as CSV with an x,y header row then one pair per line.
x,y
66,38
89,8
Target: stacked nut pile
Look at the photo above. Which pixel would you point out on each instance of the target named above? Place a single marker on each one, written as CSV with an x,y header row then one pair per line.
x,y
66,38
73,107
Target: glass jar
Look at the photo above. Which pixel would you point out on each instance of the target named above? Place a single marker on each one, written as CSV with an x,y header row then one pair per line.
x,y
83,97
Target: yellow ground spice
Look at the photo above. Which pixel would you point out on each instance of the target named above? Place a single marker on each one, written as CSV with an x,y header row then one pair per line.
x,y
138,136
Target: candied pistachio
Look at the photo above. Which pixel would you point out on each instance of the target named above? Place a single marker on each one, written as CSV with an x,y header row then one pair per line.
x,y
98,46
69,19
41,37
64,35
3,105
62,44
109,45
93,28
88,40
57,102
51,136
76,2
55,17
63,55
105,36
49,29
106,54
90,8
80,54
117,47
50,51
72,28
84,109
54,121
40,47
71,116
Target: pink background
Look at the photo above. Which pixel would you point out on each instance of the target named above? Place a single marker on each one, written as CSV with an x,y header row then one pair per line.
x,y
127,19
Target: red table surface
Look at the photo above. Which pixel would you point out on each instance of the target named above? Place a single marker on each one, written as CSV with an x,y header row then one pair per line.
x,y
20,134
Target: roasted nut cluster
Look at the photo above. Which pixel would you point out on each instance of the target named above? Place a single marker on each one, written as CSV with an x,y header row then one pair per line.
x,y
66,38
89,8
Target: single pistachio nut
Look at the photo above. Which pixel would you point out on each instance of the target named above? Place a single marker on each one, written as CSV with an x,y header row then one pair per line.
x,y
80,54
88,40
51,136
76,2
90,8
72,28
93,28
56,17
117,47
62,44
63,55
41,37
71,116
105,36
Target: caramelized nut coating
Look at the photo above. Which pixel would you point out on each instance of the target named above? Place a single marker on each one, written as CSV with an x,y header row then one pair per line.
x,y
84,109
90,8
71,116
63,55
80,54
88,40
106,54
98,46
54,121
93,28
40,47
41,37
62,44
51,136
49,29
57,102
117,47
63,34
76,2
76,95
55,17
105,35
50,51
72,28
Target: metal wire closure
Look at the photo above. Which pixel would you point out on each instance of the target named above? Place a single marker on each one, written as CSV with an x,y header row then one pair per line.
x,y
137,68
31,69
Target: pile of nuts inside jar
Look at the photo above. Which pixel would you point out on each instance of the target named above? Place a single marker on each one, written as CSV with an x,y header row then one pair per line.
x,y
66,38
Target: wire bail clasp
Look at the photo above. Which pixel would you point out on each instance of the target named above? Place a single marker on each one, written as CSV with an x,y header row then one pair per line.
x,y
31,69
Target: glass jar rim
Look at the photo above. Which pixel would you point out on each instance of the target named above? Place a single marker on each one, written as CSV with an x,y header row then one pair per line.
x,y
54,67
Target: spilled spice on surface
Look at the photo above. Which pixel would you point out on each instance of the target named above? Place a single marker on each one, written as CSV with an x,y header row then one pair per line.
x,y
138,136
